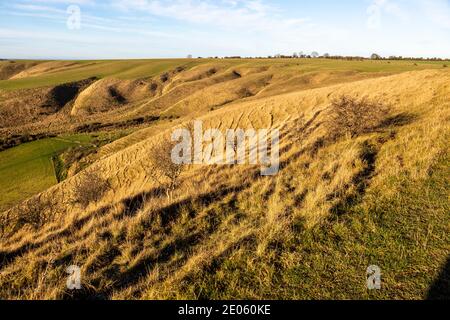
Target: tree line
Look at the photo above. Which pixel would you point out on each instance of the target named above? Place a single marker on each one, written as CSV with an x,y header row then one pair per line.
x,y
316,55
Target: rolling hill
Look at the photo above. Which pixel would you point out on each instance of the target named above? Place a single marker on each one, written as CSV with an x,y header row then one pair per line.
x,y
340,202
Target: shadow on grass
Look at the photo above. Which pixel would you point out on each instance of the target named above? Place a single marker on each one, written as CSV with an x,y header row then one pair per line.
x,y
440,289
163,255
399,120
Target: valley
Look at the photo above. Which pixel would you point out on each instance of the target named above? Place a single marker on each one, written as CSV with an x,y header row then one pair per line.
x,y
77,166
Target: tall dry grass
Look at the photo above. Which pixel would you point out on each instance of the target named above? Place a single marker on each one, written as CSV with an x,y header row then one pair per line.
x,y
226,232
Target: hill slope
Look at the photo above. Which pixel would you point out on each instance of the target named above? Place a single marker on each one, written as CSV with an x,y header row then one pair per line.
x,y
338,204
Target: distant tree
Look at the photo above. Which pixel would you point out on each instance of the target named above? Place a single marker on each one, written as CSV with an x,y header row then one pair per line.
x,y
375,56
314,54
295,55
326,55
189,56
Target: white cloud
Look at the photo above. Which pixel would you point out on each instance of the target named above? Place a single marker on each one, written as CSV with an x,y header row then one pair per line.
x,y
250,26
228,27
438,11
379,7
68,2
232,14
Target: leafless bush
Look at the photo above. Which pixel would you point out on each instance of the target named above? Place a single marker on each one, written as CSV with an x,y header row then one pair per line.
x,y
34,212
38,212
162,169
164,77
355,116
90,188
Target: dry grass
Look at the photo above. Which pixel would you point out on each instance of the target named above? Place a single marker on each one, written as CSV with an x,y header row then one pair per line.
x,y
337,205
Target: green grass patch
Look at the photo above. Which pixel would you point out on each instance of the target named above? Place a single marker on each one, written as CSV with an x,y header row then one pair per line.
x,y
122,69
28,169
77,157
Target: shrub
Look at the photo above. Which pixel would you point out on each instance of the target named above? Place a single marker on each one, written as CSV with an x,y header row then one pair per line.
x,y
91,187
161,167
245,93
353,116
34,212
153,86
164,77
37,212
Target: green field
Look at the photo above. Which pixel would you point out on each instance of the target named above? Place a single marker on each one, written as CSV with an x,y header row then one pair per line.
x,y
126,69
28,169
134,69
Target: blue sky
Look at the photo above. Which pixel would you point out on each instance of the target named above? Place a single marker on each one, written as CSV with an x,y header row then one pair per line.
x,y
92,29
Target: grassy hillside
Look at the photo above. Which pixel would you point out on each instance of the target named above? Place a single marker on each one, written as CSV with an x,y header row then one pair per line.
x,y
60,96
344,199
80,70
134,69
28,169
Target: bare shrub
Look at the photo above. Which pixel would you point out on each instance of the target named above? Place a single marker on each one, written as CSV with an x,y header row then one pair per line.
x,y
34,212
91,187
355,116
164,77
38,212
162,169
245,93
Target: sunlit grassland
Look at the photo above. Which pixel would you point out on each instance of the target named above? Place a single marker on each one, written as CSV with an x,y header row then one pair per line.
x,y
126,69
340,202
28,169
134,69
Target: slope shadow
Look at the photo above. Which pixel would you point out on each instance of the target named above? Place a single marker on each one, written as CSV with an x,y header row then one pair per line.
x,y
440,289
398,120
167,214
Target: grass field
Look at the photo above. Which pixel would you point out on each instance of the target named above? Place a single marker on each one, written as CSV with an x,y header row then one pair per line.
x,y
341,201
407,235
28,169
86,69
134,69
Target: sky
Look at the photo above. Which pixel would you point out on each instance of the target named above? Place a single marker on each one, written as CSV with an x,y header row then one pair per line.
x,y
113,29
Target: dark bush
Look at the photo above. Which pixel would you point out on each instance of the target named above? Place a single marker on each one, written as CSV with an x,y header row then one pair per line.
x,y
164,77
91,187
355,116
34,212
